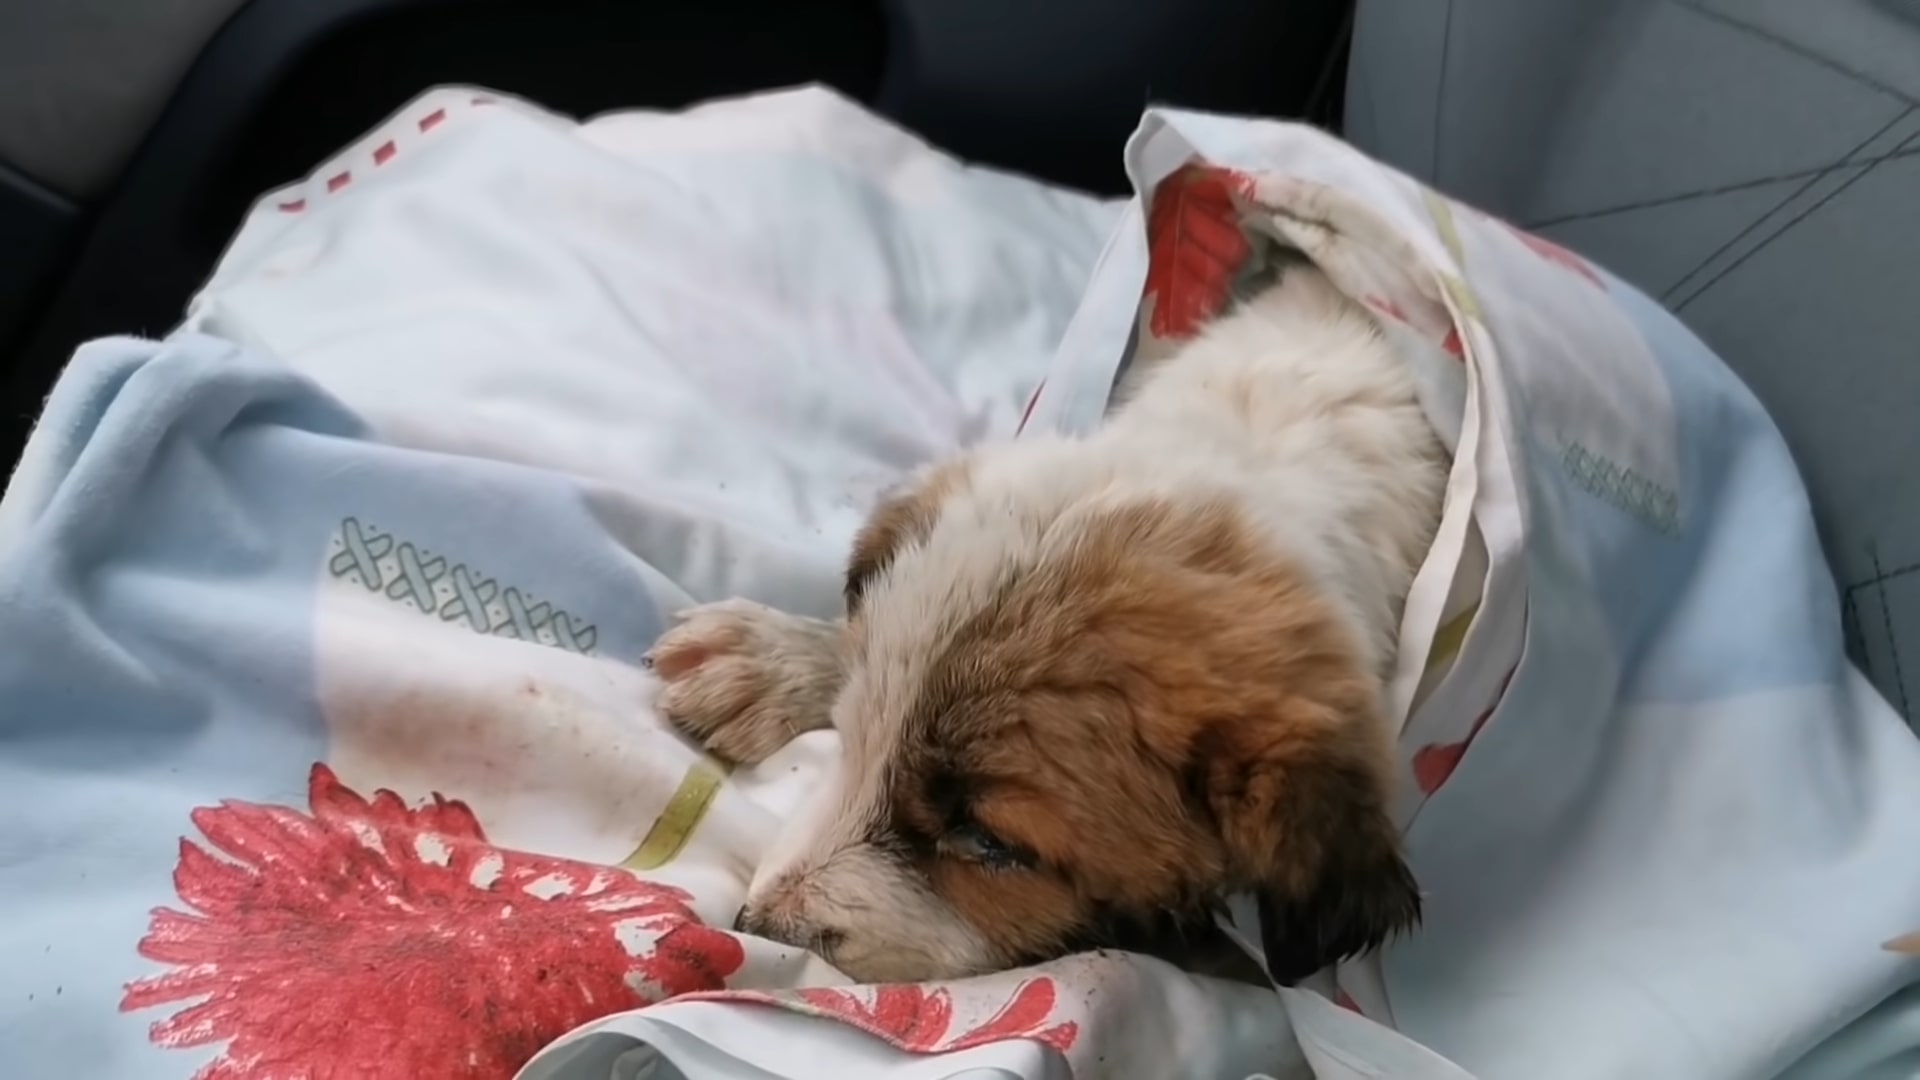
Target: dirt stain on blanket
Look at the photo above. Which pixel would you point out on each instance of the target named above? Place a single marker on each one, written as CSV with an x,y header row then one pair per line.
x,y
554,751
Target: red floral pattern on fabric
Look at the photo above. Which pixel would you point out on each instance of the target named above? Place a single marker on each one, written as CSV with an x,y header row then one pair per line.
x,y
1387,307
1433,764
370,939
1547,249
919,1019
1194,248
1558,255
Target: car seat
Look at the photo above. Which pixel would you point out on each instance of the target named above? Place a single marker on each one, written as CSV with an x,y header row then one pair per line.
x,y
132,139
1755,165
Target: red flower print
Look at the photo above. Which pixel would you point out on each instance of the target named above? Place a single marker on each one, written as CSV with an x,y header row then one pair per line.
x,y
916,1019
1434,764
1194,247
1557,255
1545,248
1387,307
373,940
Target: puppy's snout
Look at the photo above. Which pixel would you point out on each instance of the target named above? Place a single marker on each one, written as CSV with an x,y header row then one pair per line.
x,y
789,930
756,923
783,917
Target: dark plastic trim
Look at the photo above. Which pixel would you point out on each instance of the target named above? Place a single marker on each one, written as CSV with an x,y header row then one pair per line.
x,y
1053,90
37,232
130,262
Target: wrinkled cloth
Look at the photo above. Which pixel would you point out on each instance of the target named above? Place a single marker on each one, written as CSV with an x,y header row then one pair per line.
x,y
326,738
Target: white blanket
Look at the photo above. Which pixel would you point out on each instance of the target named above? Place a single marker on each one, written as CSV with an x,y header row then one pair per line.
x,y
556,380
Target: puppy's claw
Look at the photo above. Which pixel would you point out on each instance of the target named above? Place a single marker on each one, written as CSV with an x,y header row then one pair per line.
x,y
743,679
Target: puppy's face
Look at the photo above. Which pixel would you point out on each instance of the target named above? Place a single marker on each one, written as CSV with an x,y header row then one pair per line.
x,y
1065,716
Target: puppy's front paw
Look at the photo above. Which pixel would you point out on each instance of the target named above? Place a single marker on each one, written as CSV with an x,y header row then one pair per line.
x,y
744,679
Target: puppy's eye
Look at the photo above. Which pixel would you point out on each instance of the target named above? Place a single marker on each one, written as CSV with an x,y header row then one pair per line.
x,y
975,844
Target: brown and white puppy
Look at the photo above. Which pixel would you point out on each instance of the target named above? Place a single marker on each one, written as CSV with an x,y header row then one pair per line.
x,y
1085,684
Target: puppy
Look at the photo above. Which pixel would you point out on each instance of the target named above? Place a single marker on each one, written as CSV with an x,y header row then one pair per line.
x,y
1089,685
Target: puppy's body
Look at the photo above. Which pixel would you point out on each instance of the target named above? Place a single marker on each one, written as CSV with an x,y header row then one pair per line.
x,y
1295,409
1098,682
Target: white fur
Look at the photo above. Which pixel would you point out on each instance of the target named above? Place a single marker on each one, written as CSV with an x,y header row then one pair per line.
x,y
1297,407
821,876
1291,407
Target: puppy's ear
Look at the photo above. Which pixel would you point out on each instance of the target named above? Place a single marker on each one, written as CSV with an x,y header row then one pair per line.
x,y
905,516
1301,804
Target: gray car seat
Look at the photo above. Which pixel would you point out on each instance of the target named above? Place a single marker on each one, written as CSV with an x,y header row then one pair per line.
x,y
1753,163
133,136
81,81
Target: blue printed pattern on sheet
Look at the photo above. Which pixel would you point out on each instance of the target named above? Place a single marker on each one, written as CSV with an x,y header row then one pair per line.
x,y
162,552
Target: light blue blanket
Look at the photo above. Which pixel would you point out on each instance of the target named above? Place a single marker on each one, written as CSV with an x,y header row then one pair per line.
x,y
158,574
1678,844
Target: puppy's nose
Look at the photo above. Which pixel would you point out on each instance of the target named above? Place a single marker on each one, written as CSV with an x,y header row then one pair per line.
x,y
787,930
759,922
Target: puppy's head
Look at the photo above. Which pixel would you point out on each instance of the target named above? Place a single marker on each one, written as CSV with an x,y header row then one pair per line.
x,y
1070,711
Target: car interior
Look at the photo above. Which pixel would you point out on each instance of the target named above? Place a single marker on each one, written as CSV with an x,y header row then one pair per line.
x,y
1750,167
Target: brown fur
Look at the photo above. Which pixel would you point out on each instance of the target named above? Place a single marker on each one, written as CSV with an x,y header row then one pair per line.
x,y
745,679
1086,689
1172,682
904,516
1176,684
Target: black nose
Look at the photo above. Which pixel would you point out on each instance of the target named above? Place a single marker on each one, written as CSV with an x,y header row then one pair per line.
x,y
740,920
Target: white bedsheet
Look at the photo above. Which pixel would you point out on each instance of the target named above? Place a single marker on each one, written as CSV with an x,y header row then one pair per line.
x,y
461,417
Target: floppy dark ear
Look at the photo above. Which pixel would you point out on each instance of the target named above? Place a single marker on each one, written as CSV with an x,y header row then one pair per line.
x,y
1304,817
906,515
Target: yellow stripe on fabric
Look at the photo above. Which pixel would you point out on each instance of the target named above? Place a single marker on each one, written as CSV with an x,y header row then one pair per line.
x,y
1463,297
1448,639
675,825
1441,211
